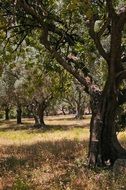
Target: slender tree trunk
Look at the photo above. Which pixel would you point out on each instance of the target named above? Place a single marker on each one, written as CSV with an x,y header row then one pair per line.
x,y
79,106
7,110
19,114
89,109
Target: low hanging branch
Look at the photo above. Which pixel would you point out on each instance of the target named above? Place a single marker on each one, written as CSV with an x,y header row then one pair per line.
x,y
96,37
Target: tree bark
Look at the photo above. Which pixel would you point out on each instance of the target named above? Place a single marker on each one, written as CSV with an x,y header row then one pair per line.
x,y
19,114
39,122
104,146
80,112
7,110
39,116
94,156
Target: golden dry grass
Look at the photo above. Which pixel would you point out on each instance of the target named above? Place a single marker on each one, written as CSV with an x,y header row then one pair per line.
x,y
53,159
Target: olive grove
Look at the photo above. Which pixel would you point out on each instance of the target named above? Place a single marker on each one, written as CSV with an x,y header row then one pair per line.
x,y
81,36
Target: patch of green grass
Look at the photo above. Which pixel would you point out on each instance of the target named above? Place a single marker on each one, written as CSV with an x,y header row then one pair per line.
x,y
20,184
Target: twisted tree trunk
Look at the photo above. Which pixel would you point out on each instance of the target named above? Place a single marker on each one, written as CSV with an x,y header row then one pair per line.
x,y
39,117
104,146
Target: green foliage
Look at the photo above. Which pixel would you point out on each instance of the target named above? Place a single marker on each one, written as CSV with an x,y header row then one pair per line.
x,y
62,17
20,184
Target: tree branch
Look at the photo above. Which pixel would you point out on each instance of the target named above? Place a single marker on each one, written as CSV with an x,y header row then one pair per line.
x,y
96,38
20,42
104,27
84,80
70,38
28,9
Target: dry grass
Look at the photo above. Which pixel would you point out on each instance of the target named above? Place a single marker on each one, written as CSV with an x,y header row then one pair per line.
x,y
54,159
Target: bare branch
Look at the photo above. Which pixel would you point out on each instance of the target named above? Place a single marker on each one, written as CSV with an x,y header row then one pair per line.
x,y
20,42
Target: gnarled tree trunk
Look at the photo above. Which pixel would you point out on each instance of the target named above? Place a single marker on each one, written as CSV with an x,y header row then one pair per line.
x,y
39,117
37,108
104,146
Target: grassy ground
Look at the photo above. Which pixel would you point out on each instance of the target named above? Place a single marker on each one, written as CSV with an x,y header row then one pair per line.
x,y
54,159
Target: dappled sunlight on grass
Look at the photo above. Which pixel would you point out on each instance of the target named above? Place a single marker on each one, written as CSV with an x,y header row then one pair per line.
x,y
51,159
56,130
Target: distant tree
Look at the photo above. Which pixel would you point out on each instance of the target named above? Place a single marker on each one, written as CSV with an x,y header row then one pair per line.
x,y
5,102
39,95
12,80
43,89
76,99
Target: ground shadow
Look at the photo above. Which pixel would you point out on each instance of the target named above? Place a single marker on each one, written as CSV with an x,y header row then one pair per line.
x,y
12,126
41,161
14,156
53,128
